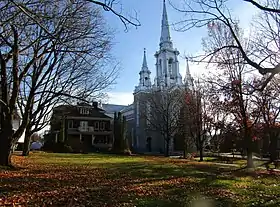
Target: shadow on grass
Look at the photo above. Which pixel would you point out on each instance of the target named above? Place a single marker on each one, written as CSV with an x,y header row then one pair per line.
x,y
151,182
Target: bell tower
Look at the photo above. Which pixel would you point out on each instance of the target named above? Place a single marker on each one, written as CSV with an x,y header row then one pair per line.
x,y
144,80
167,64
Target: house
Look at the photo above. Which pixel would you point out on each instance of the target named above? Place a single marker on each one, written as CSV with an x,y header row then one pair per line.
x,y
83,126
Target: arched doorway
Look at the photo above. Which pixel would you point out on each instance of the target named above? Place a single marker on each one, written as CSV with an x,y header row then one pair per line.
x,y
149,144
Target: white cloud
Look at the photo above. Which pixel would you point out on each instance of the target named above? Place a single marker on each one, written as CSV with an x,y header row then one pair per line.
x,y
121,98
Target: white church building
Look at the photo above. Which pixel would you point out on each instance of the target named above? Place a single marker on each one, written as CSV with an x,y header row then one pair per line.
x,y
167,76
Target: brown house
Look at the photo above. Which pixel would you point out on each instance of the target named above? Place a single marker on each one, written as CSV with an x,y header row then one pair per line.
x,y
84,127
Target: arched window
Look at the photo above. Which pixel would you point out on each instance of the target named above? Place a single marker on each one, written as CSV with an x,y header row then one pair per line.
x,y
145,81
170,64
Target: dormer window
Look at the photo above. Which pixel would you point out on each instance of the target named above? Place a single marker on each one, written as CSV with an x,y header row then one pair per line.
x,y
84,111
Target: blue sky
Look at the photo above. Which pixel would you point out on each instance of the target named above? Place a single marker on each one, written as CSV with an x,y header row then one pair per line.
x,y
129,46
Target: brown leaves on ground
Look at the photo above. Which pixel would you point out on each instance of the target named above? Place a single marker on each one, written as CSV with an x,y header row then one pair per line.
x,y
101,180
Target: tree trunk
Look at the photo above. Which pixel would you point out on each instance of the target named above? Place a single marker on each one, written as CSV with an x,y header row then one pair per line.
x,y
167,149
185,154
26,144
5,148
249,150
185,147
200,154
272,149
250,162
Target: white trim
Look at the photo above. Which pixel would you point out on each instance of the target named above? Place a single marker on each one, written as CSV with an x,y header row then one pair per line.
x,y
87,118
137,114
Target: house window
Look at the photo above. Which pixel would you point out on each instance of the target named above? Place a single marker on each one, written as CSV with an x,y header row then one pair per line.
x,y
102,126
84,111
107,140
96,126
84,125
70,124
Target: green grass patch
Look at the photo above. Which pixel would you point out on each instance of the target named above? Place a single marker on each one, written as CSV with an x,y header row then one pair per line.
x,y
110,180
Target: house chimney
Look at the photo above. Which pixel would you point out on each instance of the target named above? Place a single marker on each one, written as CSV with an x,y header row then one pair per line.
x,y
95,104
100,104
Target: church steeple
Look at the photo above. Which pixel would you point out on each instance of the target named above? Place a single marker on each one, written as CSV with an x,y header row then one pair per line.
x,y
188,78
144,64
144,80
165,39
167,63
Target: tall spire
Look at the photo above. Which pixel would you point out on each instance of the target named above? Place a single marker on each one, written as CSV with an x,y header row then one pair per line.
x,y
165,33
188,78
144,64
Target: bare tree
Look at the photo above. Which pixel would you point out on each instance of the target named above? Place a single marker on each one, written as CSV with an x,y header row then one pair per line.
x,y
61,57
109,5
216,115
234,82
202,118
263,7
267,102
113,6
214,13
161,109
192,121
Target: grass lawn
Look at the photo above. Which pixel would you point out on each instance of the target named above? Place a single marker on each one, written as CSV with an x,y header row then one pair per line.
x,y
45,179
235,161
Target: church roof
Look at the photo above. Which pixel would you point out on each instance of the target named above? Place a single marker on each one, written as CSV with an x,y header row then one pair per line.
x,y
128,108
111,108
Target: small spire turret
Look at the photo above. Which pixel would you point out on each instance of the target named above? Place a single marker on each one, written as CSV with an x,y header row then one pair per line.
x,y
144,64
144,80
188,78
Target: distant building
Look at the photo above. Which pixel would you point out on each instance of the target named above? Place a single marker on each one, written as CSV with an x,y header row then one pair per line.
x,y
128,112
83,126
15,122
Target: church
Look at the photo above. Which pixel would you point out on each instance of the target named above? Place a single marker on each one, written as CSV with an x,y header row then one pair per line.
x,y
167,77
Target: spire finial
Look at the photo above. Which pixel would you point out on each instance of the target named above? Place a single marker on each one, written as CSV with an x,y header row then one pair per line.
x,y
144,65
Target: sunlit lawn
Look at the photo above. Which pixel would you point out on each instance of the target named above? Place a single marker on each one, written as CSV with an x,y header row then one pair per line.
x,y
45,179
236,161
